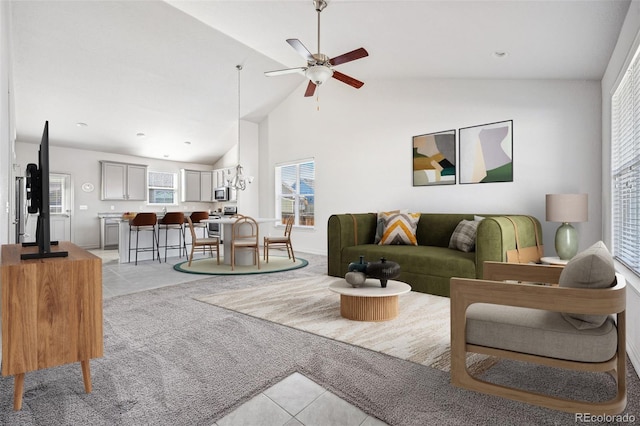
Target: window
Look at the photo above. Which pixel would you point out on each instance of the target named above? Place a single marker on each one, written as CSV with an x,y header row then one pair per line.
x,y
163,188
56,194
625,168
295,192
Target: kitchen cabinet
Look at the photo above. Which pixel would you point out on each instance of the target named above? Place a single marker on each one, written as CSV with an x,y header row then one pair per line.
x,y
123,181
197,185
206,186
219,178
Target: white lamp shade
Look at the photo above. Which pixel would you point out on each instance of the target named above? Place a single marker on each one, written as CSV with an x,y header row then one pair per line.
x,y
567,208
318,74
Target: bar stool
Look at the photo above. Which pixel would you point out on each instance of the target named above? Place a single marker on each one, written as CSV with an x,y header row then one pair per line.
x,y
175,221
144,222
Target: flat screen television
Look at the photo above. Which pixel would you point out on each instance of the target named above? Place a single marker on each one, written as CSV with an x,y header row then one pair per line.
x,y
38,198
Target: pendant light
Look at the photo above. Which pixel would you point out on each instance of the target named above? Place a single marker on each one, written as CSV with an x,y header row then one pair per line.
x,y
239,181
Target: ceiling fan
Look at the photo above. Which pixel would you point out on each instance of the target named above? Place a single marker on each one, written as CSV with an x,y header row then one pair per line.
x,y
319,66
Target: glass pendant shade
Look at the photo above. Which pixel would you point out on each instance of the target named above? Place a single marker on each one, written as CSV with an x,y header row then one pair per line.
x,y
318,74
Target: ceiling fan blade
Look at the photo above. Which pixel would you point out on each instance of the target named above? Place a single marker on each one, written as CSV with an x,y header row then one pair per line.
x,y
346,79
300,70
301,49
348,57
311,89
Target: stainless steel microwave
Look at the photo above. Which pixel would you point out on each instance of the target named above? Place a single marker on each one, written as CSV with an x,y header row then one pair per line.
x,y
221,193
224,193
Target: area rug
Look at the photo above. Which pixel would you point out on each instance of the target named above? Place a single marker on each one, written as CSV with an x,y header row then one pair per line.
x,y
420,333
208,266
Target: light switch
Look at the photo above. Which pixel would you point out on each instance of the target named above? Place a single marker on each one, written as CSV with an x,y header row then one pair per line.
x,y
83,207
113,207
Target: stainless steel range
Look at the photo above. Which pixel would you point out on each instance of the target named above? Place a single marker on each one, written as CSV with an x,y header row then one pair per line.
x,y
215,229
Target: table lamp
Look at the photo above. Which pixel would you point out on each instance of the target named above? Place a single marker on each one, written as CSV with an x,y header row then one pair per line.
x,y
566,208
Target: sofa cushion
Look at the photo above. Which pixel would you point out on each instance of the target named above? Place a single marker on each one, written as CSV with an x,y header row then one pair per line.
x,y
464,236
421,260
400,228
539,332
592,268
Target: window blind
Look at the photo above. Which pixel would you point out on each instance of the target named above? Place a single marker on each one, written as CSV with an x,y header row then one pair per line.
x,y
625,168
295,192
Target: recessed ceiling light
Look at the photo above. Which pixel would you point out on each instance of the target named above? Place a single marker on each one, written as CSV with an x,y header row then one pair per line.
x,y
187,142
80,124
140,135
500,54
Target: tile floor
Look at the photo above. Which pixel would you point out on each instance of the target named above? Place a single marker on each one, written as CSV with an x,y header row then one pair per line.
x,y
294,401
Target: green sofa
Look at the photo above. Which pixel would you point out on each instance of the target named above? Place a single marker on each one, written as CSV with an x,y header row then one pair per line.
x,y
428,266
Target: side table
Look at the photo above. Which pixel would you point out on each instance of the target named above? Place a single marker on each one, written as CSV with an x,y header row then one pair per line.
x,y
553,260
51,312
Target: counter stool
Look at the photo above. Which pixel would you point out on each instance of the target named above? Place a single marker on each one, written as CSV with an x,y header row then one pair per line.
x,y
175,221
144,222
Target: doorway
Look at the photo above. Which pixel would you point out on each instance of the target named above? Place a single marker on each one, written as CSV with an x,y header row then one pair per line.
x,y
60,206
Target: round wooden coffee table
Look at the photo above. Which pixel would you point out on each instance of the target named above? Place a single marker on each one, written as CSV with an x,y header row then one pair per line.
x,y
369,302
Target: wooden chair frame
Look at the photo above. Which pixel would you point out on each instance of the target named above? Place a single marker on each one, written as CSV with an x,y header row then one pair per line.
x,y
210,242
492,289
241,241
285,241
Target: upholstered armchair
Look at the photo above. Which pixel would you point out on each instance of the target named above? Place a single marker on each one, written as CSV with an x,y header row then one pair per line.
x,y
520,312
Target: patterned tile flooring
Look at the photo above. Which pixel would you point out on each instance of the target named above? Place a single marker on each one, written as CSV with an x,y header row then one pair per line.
x,y
294,401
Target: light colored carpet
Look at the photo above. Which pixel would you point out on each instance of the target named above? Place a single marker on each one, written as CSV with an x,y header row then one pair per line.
x,y
172,360
419,334
208,266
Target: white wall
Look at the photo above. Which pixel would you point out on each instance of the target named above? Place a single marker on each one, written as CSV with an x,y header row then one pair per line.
x,y
6,124
84,166
248,200
361,141
628,43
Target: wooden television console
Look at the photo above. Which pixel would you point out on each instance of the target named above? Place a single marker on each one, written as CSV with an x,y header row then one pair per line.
x,y
51,312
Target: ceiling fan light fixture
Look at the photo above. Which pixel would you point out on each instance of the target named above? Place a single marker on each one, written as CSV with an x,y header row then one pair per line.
x,y
318,74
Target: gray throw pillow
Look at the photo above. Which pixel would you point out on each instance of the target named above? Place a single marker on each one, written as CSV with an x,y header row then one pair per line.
x,y
592,268
464,236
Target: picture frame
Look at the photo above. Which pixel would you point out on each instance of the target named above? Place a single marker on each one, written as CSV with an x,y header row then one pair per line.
x,y
434,158
486,153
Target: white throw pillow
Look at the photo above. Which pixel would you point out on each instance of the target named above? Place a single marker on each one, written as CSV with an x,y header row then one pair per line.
x,y
592,268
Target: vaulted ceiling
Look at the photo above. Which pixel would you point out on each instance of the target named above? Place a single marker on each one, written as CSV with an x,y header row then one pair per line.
x,y
168,69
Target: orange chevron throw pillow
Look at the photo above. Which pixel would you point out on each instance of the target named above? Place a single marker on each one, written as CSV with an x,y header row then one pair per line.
x,y
400,228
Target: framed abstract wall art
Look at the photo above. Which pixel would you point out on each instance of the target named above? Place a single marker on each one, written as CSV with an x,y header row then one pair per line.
x,y
486,153
434,159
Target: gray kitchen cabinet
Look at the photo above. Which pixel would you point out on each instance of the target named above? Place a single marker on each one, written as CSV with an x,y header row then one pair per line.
x,y
219,178
197,185
190,185
123,181
206,186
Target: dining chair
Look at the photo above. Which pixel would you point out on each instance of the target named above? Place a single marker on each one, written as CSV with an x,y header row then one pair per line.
x,y
281,241
196,217
244,236
205,242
